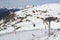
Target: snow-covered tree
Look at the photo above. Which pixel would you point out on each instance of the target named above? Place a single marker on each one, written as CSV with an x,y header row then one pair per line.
x,y
49,19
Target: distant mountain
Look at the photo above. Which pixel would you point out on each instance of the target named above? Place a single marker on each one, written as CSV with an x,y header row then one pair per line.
x,y
6,11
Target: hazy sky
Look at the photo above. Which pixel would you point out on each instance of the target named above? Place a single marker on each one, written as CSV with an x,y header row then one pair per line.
x,y
17,3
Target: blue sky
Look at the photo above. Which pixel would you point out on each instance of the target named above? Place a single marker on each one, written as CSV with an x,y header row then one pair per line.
x,y
18,3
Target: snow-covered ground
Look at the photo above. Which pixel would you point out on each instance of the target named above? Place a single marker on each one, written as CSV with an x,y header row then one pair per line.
x,y
30,19
35,34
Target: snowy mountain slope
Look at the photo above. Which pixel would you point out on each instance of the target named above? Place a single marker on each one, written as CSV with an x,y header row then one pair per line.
x,y
35,34
43,11
31,18
24,35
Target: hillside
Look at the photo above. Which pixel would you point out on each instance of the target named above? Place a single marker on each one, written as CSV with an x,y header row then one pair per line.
x,y
31,18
